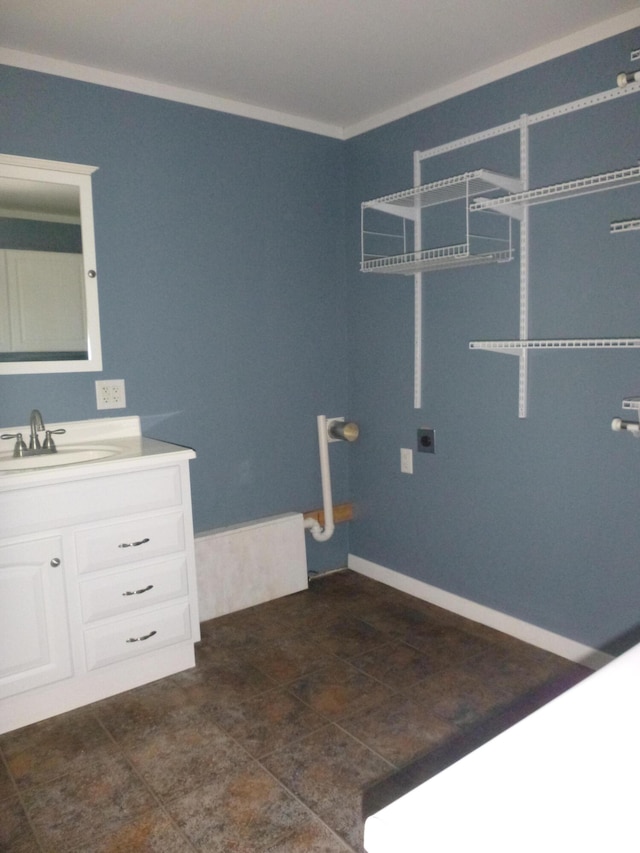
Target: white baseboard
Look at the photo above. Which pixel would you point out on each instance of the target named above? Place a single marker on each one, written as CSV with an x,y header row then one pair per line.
x,y
540,637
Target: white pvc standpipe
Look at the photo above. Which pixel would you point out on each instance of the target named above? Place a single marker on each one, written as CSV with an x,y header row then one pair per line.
x,y
321,534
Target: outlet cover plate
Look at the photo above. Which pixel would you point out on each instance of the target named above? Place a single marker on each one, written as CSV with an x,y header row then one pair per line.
x,y
110,394
426,440
406,460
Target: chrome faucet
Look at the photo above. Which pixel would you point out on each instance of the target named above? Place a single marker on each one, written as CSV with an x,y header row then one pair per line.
x,y
36,425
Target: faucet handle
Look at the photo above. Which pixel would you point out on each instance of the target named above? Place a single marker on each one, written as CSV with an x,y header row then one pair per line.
x,y
48,443
20,446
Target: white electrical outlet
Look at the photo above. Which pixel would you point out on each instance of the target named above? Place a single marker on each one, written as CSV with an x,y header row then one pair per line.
x,y
406,460
110,394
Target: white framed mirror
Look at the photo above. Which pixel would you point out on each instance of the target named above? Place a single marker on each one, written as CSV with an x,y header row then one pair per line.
x,y
49,316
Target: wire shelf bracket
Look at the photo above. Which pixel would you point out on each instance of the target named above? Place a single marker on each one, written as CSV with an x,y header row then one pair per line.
x,y
556,192
515,347
625,225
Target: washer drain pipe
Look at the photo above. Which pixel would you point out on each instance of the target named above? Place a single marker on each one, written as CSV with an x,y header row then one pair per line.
x,y
335,430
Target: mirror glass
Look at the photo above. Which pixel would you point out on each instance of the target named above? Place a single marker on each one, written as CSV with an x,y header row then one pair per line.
x,y
49,318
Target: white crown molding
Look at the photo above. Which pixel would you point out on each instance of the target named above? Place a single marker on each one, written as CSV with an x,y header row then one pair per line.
x,y
551,50
61,68
52,165
113,80
525,631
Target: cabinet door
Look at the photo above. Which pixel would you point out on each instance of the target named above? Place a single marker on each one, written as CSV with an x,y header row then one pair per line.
x,y
34,635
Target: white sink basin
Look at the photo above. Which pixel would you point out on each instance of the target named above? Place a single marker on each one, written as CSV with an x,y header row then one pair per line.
x,y
69,455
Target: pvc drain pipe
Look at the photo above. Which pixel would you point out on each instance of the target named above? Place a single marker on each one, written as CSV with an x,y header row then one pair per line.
x,y
319,533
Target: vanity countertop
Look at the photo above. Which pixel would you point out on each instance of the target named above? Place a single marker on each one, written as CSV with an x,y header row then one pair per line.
x,y
110,445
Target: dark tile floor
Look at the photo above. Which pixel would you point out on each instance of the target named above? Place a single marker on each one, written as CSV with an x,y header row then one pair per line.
x,y
297,708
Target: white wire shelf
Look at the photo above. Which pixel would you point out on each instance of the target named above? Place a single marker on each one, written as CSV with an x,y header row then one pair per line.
x,y
516,347
625,225
556,192
440,192
407,204
445,257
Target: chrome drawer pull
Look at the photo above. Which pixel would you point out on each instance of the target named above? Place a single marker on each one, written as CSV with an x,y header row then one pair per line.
x,y
134,544
139,591
139,639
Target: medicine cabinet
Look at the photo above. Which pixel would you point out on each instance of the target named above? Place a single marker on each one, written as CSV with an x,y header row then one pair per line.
x,y
49,318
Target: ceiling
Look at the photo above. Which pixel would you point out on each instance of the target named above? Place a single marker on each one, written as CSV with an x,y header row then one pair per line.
x,y
337,67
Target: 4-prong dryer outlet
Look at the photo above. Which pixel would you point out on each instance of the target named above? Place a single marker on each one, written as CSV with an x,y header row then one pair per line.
x,y
426,440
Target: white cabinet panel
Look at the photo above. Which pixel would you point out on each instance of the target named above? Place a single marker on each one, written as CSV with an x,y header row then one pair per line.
x,y
59,504
139,634
33,616
115,593
129,541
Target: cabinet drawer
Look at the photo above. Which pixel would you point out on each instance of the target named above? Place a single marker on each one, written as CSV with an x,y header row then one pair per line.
x,y
137,635
129,541
54,505
142,586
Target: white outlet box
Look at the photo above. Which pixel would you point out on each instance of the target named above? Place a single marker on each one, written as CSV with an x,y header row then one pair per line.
x,y
406,460
110,394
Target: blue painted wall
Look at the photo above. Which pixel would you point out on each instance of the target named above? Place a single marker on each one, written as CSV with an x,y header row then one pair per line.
x,y
220,249
537,518
232,304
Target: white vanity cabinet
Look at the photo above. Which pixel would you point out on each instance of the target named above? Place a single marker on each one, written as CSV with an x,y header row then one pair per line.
x,y
97,579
